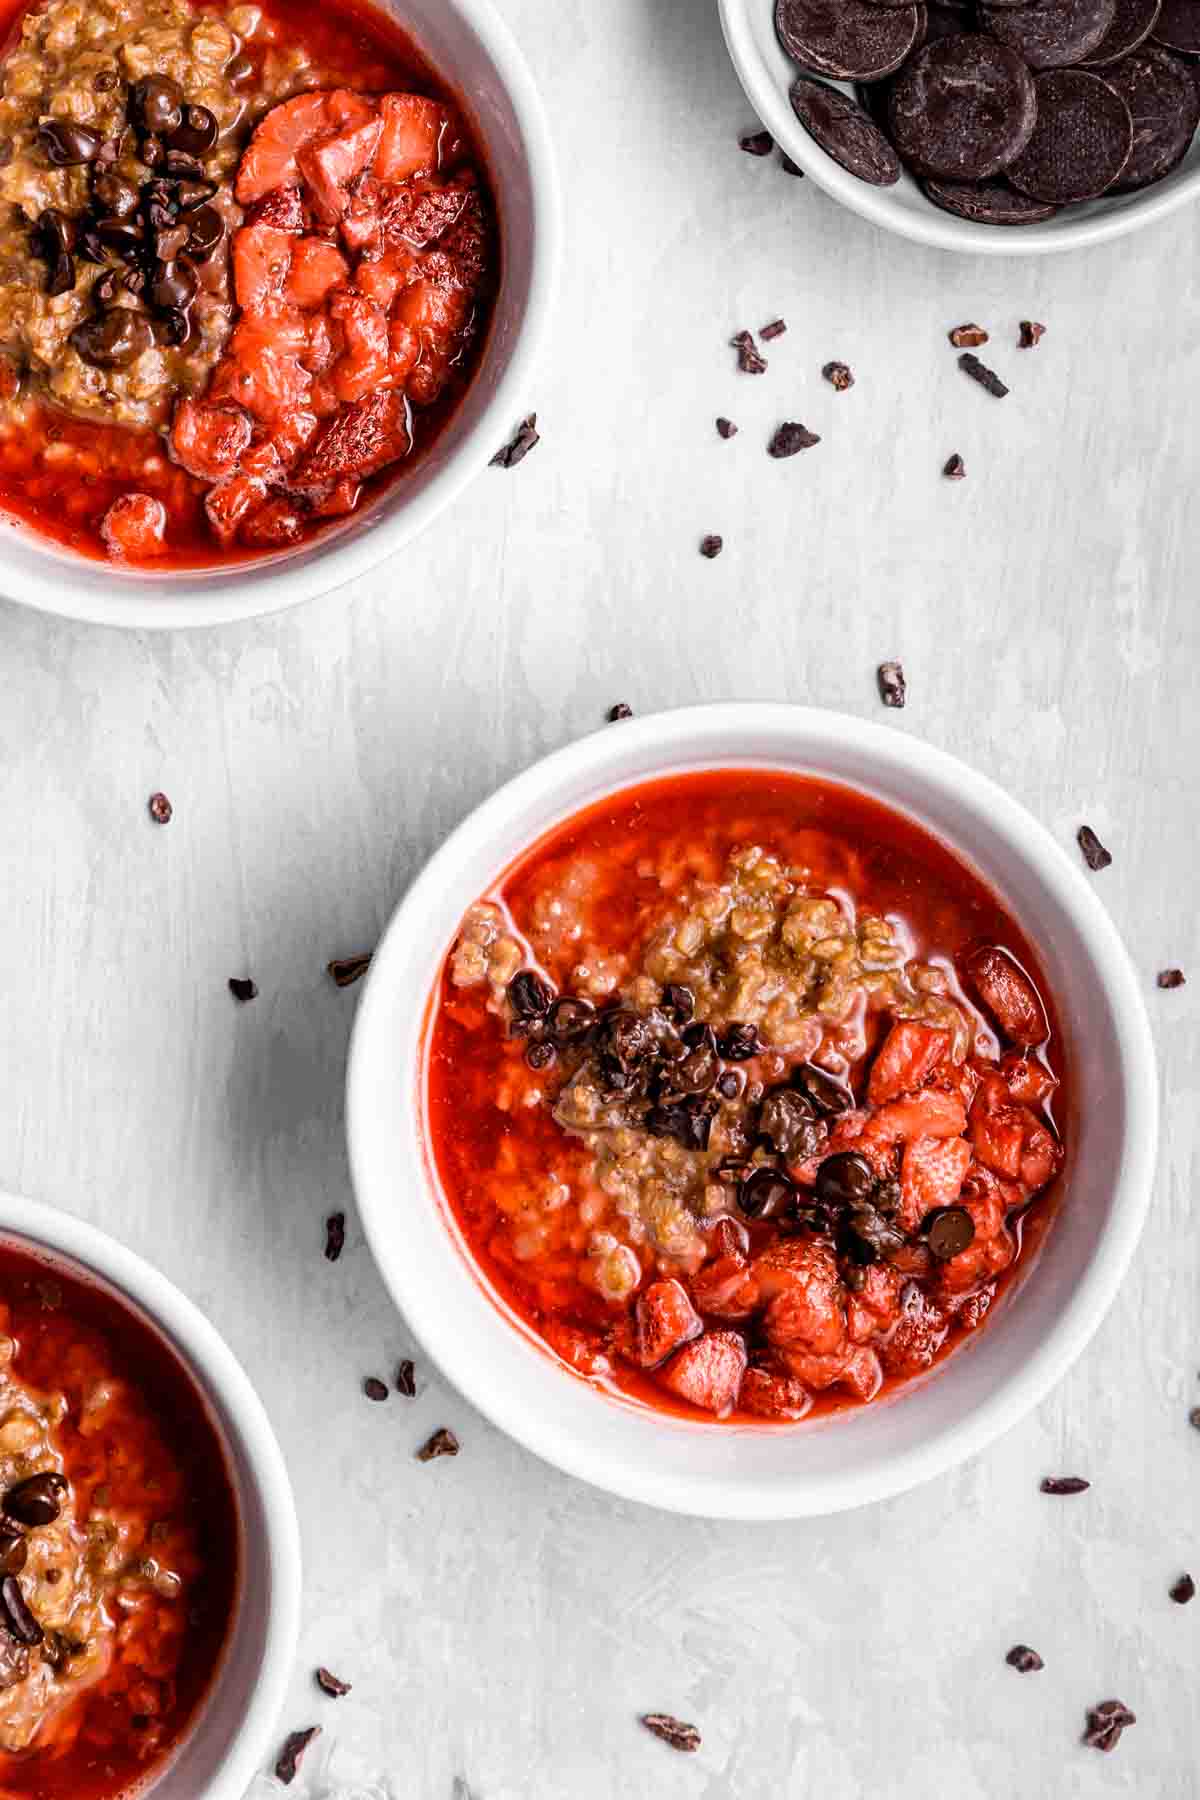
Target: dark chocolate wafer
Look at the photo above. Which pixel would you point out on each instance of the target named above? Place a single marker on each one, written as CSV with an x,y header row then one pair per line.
x,y
1178,26
1132,25
1164,104
845,132
994,202
1082,141
850,40
1051,34
962,108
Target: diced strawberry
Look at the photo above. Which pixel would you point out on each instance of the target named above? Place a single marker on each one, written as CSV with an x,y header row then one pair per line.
x,y
1008,995
997,1127
135,527
364,367
418,217
708,1373
320,350
1041,1155
437,314
578,1349
278,522
348,108
927,1113
979,1262
323,399
468,243
231,501
799,1280
908,1056
329,165
872,1308
359,440
341,498
973,1310
295,433
770,1396
1028,1081
665,1320
403,350
960,1079
316,266
931,1175
919,1334
284,328
730,1237
282,207
412,132
725,1289
857,1370
270,385
263,460
381,278
361,219
847,1130
269,160
207,440
261,255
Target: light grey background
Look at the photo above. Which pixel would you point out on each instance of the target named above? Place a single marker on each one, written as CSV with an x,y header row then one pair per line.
x,y
500,1622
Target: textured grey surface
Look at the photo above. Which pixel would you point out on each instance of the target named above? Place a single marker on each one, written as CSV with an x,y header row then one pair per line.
x,y
499,1621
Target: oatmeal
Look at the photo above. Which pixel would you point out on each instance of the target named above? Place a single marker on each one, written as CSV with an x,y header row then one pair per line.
x,y
741,1090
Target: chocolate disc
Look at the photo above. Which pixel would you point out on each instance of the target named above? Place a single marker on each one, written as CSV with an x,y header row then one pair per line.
x,y
988,202
844,131
1164,104
1178,26
1134,21
851,40
962,108
1081,143
1051,34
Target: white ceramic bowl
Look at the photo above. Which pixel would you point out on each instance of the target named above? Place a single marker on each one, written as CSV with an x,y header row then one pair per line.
x,y
472,48
767,74
869,1452
239,1717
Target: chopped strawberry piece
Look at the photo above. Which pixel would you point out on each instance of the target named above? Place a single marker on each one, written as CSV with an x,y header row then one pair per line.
x,y
960,1079
323,399
730,1237
1008,995
269,385
418,217
725,1289
467,242
412,131
578,1349
907,1058
980,1262
208,440
919,1334
856,1369
799,1280
320,350
404,347
361,219
666,1319
381,278
1041,1155
872,1308
770,1396
316,266
1030,1082
364,367
438,315
134,527
931,1175
269,160
282,208
295,433
278,522
998,1127
331,164
708,1373
261,256
231,501
844,1136
342,498
348,109
927,1113
358,441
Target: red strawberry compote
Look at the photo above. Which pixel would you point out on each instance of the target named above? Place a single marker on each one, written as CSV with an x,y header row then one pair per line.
x,y
742,1090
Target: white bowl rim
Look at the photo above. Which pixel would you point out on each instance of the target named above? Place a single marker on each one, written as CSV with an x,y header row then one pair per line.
x,y
930,225
202,1349
219,596
1029,1383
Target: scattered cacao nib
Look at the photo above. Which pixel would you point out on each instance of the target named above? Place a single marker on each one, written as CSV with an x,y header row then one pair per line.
x,y
1106,1722
893,688
711,546
672,1731
242,988
749,360
1194,1418
790,167
518,448
442,1443
329,1684
726,428
757,143
839,375
1031,334
619,711
987,378
1183,1590
335,1236
774,330
955,468
1094,853
1171,978
346,970
160,809
292,1754
406,1382
968,337
1064,1484
375,1389
791,437
1024,1660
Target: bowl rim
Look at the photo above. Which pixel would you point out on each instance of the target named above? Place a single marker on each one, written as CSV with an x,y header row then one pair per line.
x,y
220,596
667,732
210,1361
930,225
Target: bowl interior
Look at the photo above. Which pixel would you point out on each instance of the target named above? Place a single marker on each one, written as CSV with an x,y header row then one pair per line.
x,y
467,45
767,74
866,1453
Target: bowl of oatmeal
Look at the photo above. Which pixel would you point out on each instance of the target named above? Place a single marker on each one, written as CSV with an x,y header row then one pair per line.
x,y
719,1101
271,279
149,1559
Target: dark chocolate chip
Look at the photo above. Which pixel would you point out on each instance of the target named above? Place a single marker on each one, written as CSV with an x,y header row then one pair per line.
x,y
1178,26
767,1193
1031,334
893,687
156,104
955,468
198,132
712,545
15,1613
839,375
406,1379
529,996
329,1684
950,1230
1094,853
14,1551
726,428
67,145
1064,1484
757,143
968,337
790,438
619,711
846,1179
1183,1590
518,447
828,1096
845,131
375,1389
113,339
335,1236
1171,978
243,988
570,1018
118,197
987,378
442,1443
540,1055
1081,142
750,362
854,40
346,970
292,1754
1024,1660
739,1042
672,1731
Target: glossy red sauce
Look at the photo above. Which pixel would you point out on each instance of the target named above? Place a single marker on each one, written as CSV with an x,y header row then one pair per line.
x,y
155,1460
484,1151
373,55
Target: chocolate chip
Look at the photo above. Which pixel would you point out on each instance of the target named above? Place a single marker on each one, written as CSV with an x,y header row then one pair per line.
x,y
67,145
839,375
767,1193
1024,1660
846,1179
156,104
529,996
292,1754
518,447
711,546
726,428
1171,978
346,970
775,329
828,1096
787,1123
112,340
757,143
329,1684
14,1551
442,1443
619,711
730,1084
1094,853
406,1382
375,1389
541,1054
1164,104
1183,1590
1064,1484
790,438
968,337
179,166
1106,1722
893,688
1031,334
118,196
987,378
570,1018
198,132
38,1500
335,1236
688,1121
15,1613
242,988
679,1002
672,1731
950,1230
739,1042
749,360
